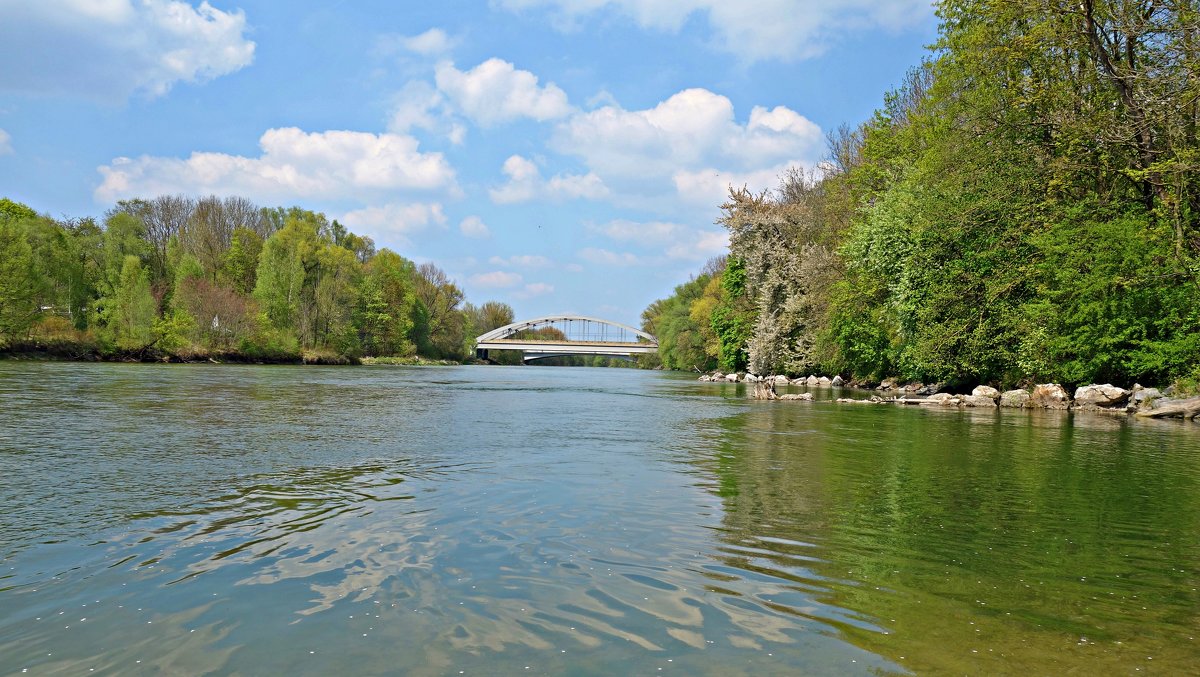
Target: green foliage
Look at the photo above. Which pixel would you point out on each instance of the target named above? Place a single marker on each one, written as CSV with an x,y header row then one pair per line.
x,y
1025,206
129,314
240,265
681,338
18,282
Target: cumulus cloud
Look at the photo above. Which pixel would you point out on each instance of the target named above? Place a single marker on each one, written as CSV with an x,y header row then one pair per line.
x,y
535,289
430,43
111,49
700,245
293,164
5,143
653,232
392,220
495,92
474,227
525,183
608,258
753,30
497,279
692,129
711,186
521,261
419,105
673,240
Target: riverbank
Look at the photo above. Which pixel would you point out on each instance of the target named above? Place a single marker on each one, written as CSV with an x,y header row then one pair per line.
x,y
1139,401
91,352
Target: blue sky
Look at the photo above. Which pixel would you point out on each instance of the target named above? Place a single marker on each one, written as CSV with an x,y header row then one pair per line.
x,y
557,155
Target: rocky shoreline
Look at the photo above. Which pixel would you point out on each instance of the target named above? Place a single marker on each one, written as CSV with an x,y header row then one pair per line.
x,y
1137,401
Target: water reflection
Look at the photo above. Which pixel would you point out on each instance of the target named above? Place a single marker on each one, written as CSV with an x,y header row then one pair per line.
x,y
960,542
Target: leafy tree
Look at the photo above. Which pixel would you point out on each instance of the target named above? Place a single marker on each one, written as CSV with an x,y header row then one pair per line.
x,y
18,282
131,311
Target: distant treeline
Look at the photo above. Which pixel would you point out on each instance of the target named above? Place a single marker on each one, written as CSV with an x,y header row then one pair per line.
x,y
1025,207
189,279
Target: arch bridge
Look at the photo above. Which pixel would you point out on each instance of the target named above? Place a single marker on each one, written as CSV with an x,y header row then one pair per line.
x,y
558,335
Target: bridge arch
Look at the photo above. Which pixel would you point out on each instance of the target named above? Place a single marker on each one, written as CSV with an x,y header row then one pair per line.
x,y
509,329
600,337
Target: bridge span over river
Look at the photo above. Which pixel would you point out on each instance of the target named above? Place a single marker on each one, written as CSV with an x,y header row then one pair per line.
x,y
558,335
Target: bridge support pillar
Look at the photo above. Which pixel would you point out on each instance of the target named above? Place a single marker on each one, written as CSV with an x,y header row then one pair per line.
x,y
481,354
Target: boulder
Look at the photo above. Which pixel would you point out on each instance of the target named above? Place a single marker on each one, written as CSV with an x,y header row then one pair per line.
x,y
782,380
799,381
887,384
812,381
1100,396
943,399
824,381
1014,399
704,377
836,382
986,391
913,387
731,377
807,397
717,376
1048,396
977,401
1144,397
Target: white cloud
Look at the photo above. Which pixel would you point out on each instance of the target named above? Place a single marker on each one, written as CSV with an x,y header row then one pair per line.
x,y
674,240
708,187
521,261
608,258
419,105
497,279
645,233
525,183
495,92
395,221
430,43
293,164
690,130
111,49
753,30
5,143
535,289
700,245
474,227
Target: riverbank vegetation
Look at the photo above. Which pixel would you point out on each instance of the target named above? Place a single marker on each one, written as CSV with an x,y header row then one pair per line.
x,y
1024,208
177,278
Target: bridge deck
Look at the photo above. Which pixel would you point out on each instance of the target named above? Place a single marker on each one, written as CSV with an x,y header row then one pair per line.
x,y
569,347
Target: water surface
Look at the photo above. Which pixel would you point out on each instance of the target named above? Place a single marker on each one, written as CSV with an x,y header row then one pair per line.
x,y
166,519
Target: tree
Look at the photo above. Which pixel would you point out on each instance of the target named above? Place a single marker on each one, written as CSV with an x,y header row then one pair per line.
x,y
438,323
130,312
18,282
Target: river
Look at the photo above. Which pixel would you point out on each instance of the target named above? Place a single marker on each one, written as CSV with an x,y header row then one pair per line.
x,y
187,519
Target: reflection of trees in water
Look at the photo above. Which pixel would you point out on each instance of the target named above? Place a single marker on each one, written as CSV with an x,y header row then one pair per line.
x,y
953,539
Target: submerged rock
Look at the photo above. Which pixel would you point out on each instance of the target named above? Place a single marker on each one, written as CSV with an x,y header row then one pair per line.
x,y
806,397
1049,396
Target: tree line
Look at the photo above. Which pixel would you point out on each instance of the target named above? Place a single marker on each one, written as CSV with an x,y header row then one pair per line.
x,y
1025,206
193,278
